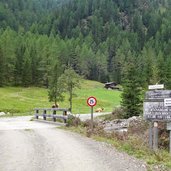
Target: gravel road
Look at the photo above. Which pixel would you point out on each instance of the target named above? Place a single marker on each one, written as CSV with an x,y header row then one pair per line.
x,y
32,146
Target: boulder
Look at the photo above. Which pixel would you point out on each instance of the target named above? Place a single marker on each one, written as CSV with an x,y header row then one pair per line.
x,y
2,113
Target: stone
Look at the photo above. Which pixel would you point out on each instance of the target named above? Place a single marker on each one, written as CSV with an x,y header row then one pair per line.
x,y
2,113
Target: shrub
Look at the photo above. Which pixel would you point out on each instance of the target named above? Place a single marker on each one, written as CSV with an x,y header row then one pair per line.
x,y
163,136
73,121
118,113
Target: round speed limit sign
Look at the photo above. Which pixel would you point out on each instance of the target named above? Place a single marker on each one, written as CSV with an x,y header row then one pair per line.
x,y
91,101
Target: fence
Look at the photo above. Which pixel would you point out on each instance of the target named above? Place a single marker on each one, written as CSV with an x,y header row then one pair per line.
x,y
52,113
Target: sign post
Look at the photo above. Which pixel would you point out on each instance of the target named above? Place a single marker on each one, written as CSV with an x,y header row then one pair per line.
x,y
169,129
151,136
155,136
157,107
91,101
155,110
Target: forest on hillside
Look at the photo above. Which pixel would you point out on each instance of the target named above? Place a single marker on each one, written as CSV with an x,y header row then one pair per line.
x,y
99,39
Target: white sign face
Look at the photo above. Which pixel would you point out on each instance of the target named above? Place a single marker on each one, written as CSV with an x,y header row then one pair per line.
x,y
157,105
167,102
156,111
157,86
158,94
169,126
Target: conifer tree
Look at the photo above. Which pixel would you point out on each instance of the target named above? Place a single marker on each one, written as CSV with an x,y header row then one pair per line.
x,y
1,68
131,96
27,72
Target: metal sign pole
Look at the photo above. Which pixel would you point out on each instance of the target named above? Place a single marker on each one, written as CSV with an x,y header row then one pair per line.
x,y
170,141
151,136
91,101
92,125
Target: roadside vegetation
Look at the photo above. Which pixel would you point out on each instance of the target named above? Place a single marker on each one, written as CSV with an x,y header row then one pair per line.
x,y
134,142
22,101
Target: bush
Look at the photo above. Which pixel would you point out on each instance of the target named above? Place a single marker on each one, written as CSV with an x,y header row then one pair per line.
x,y
87,123
163,136
73,121
97,129
121,136
118,113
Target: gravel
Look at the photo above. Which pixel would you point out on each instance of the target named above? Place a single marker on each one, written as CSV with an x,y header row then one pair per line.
x,y
32,146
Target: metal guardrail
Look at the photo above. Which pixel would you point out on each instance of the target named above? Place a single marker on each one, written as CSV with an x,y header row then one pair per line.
x,y
51,113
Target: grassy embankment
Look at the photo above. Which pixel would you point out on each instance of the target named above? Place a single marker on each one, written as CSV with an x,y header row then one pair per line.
x,y
22,101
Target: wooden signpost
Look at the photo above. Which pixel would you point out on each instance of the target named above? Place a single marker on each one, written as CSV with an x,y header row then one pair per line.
x,y
92,101
157,108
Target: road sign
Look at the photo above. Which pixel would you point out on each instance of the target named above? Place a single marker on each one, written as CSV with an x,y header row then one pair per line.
x,y
157,86
91,101
158,94
167,102
157,111
157,105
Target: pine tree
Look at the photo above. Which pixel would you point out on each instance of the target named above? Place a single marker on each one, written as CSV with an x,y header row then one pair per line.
x,y
1,68
168,73
27,72
131,96
19,64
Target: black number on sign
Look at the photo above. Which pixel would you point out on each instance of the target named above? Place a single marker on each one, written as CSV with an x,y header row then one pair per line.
x,y
91,101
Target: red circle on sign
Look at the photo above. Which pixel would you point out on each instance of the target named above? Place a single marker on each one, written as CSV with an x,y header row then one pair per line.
x,y
92,101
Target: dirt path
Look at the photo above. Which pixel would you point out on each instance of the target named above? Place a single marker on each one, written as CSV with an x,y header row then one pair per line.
x,y
43,147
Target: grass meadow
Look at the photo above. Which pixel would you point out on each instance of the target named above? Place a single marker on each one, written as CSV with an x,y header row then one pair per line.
x,y
22,101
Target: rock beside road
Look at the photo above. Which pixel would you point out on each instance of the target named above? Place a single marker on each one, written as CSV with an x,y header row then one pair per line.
x,y
122,125
2,113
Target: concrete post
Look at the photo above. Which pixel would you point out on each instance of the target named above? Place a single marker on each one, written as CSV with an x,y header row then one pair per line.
x,y
155,136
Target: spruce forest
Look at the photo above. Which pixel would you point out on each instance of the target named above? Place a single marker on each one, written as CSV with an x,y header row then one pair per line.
x,y
99,39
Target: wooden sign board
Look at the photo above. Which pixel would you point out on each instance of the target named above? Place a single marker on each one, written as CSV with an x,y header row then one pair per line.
x,y
157,111
157,105
158,94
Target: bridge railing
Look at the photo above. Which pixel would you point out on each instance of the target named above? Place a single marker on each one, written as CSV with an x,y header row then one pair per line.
x,y
53,113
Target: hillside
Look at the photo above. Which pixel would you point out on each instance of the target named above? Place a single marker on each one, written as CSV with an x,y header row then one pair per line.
x,y
21,15
98,39
18,100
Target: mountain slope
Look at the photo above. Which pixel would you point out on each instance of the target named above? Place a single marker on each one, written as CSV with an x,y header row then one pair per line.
x,y
97,38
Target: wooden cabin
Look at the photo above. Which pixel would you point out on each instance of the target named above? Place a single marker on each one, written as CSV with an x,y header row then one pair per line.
x,y
111,85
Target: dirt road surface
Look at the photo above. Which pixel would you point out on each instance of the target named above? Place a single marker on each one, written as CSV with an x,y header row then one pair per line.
x,y
32,146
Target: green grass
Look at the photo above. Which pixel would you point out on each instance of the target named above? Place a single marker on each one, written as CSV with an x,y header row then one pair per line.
x,y
20,101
